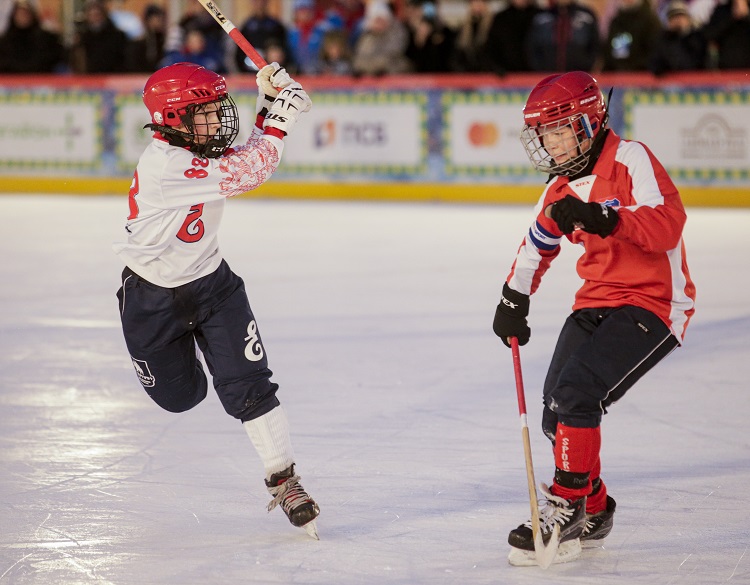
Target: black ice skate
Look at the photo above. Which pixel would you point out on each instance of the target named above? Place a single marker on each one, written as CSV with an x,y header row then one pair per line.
x,y
598,525
570,516
297,504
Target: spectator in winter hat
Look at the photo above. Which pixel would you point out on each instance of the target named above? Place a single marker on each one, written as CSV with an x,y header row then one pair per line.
x,y
26,47
681,45
99,46
381,48
145,53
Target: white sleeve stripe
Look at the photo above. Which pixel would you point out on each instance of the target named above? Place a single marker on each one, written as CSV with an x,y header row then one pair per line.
x,y
645,186
527,263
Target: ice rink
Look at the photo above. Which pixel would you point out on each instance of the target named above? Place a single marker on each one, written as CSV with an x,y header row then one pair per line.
x,y
377,322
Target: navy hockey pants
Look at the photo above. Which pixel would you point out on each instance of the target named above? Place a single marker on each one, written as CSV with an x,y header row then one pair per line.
x,y
162,325
599,355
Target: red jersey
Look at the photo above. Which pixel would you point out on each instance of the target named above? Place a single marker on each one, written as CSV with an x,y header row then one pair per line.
x,y
642,263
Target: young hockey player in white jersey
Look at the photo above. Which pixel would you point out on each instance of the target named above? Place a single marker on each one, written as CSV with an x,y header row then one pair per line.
x,y
177,290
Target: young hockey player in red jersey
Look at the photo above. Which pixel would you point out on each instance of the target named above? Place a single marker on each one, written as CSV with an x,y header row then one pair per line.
x,y
614,198
177,290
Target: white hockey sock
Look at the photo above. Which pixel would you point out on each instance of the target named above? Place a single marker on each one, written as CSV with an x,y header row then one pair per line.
x,y
270,437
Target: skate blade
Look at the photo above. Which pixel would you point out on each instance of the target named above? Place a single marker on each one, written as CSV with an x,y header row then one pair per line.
x,y
312,529
566,552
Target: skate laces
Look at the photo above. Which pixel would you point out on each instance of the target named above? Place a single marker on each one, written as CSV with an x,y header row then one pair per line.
x,y
556,510
591,522
289,495
587,527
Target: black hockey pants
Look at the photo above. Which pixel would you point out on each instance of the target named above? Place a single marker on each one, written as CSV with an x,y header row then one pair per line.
x,y
599,355
162,325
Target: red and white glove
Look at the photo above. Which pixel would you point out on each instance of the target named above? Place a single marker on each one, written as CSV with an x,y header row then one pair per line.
x,y
291,102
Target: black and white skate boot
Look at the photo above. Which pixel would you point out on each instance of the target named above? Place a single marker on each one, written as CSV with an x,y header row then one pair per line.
x,y
297,504
570,516
599,525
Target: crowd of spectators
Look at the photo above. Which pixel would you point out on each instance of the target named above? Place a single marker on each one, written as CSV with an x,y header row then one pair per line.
x,y
380,37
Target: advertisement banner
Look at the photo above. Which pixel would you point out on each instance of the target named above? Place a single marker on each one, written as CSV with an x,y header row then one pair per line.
x,y
56,131
693,134
359,133
481,133
445,140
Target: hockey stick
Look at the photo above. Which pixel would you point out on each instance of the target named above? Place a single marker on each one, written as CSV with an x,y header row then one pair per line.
x,y
234,32
544,554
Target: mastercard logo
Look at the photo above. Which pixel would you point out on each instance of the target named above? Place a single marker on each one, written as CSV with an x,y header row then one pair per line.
x,y
483,134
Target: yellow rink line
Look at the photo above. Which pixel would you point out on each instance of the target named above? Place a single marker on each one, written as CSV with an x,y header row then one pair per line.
x,y
444,192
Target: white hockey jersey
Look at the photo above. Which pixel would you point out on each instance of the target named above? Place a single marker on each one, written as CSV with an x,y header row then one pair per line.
x,y
176,204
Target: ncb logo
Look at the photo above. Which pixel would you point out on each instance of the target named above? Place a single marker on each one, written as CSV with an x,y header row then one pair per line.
x,y
329,133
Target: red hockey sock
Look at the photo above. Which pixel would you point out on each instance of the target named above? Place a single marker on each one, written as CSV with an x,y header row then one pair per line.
x,y
576,456
597,500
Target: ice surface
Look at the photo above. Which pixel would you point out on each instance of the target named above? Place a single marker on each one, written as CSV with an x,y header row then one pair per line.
x,y
377,322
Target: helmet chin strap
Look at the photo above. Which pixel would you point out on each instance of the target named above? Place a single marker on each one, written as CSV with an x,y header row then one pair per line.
x,y
174,137
593,153
213,148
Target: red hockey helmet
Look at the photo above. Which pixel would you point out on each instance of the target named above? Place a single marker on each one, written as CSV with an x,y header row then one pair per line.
x,y
170,90
563,101
174,94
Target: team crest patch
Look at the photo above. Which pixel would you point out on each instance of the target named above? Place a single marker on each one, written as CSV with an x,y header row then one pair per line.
x,y
612,202
144,374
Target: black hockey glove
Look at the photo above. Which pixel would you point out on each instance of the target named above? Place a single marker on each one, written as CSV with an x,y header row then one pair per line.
x,y
510,317
594,218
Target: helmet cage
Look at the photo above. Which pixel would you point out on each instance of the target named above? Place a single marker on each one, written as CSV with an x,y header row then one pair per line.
x,y
217,144
195,137
532,138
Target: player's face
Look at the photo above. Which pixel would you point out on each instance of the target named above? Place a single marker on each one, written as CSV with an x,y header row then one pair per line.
x,y
562,143
206,122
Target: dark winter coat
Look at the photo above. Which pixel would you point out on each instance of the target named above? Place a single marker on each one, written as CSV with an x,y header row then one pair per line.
x,y
30,50
435,56
631,39
679,52
506,41
563,38
731,36
104,50
145,54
